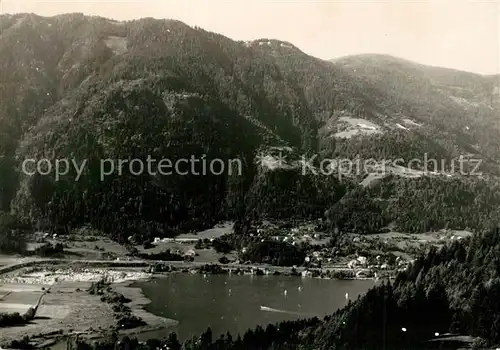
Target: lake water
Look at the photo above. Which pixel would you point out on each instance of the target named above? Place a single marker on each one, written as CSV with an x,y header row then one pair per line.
x,y
236,303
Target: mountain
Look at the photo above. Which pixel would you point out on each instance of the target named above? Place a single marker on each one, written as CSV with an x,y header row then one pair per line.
x,y
89,89
461,107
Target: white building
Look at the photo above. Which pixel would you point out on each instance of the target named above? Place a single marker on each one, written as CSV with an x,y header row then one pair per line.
x,y
362,260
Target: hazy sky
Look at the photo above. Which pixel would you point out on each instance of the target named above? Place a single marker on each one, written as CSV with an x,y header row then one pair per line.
x,y
461,34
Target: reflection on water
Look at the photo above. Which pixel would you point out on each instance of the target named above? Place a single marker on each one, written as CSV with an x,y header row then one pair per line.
x,y
236,303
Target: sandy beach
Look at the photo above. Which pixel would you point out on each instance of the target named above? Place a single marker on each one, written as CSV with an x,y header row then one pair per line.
x,y
65,306
71,275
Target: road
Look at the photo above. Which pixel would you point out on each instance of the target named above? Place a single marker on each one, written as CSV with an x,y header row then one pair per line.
x,y
29,262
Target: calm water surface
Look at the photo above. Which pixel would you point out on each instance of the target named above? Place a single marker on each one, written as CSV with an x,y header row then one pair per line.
x,y
234,303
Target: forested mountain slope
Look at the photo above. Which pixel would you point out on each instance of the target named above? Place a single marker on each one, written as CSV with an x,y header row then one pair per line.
x,y
459,106
88,88
419,205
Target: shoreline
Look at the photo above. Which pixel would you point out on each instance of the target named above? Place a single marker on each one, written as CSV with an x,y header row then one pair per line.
x,y
99,318
123,277
137,304
159,267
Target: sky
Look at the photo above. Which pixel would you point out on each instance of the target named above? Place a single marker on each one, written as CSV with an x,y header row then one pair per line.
x,y
460,34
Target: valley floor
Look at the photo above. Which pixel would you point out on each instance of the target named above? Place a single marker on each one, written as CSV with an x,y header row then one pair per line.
x,y
64,305
59,286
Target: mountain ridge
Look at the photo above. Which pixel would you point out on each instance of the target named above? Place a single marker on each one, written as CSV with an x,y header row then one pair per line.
x,y
9,16
390,57
88,87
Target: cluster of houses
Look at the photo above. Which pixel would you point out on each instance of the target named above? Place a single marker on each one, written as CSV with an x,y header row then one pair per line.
x,y
46,235
158,240
379,263
292,236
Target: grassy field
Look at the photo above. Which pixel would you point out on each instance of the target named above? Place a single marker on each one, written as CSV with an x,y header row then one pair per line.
x,y
65,309
93,247
8,259
186,242
405,244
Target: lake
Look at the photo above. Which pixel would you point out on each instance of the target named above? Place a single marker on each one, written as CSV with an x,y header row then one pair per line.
x,y
235,303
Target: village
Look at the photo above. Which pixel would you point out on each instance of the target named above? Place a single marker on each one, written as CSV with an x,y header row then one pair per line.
x,y
349,256
358,256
